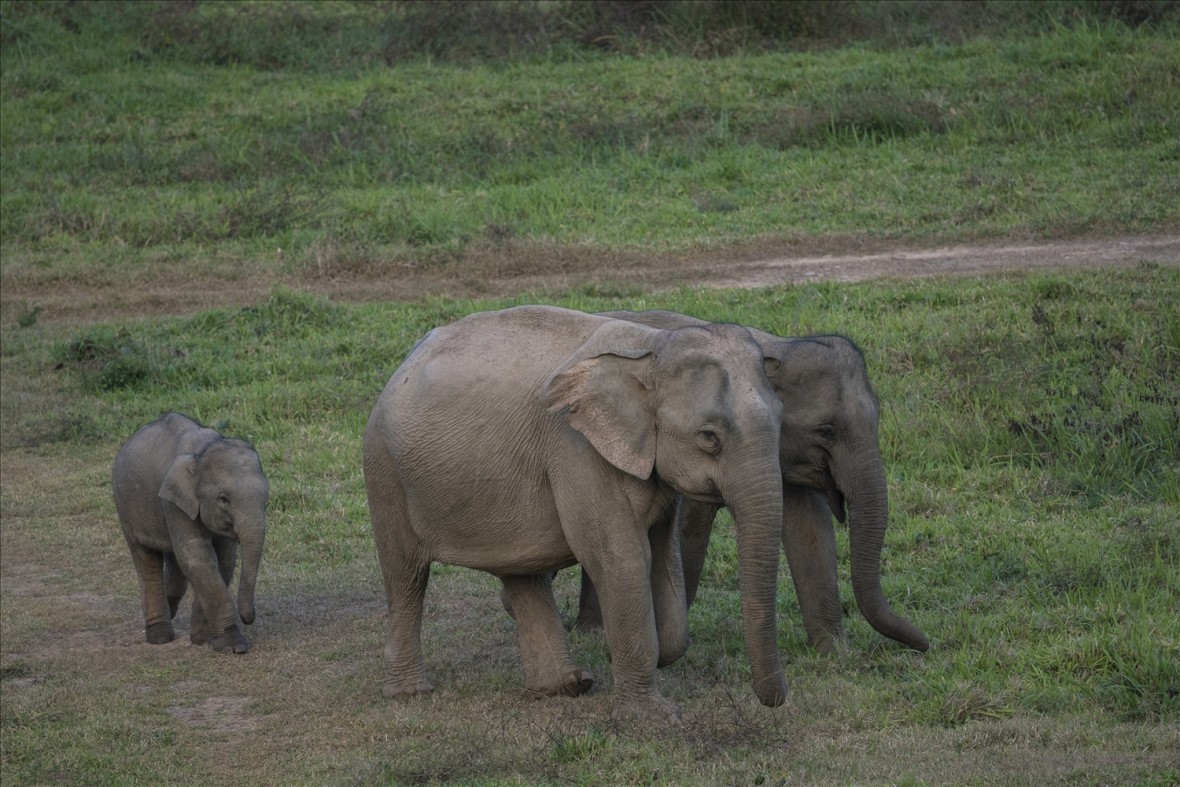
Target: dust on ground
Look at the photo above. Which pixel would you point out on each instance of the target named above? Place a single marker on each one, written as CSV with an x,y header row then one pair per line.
x,y
513,268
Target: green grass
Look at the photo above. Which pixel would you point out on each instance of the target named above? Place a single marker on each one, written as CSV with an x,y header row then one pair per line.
x,y
1029,421
1029,433
132,150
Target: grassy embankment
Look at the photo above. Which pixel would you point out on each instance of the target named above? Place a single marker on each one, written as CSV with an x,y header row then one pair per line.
x,y
1029,424
146,144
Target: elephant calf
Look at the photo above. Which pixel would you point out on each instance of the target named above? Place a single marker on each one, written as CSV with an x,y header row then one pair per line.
x,y
186,498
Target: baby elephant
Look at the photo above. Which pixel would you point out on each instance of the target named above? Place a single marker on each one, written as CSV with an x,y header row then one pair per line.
x,y
186,498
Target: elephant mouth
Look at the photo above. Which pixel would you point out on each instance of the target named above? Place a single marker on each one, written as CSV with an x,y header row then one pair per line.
x,y
700,498
836,503
834,496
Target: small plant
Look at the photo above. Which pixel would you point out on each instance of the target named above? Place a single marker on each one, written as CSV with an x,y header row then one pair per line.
x,y
579,747
27,317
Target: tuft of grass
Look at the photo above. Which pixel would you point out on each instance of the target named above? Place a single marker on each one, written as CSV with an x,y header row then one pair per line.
x,y
27,317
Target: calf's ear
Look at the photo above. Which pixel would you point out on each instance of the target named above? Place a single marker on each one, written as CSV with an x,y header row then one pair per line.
x,y
180,485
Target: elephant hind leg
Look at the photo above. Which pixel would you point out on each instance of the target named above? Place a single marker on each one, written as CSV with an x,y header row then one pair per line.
x,y
810,543
175,583
405,668
544,651
405,572
157,620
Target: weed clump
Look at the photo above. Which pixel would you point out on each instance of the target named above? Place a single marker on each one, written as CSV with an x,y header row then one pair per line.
x,y
114,361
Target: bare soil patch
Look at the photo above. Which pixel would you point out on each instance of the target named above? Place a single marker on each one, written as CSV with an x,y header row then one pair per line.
x,y
512,268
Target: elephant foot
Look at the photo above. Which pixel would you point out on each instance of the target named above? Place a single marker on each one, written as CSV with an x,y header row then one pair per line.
x,y
572,684
830,644
230,642
198,636
652,709
577,683
392,691
159,633
588,620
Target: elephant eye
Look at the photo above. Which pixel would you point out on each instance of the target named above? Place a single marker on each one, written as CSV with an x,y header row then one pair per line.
x,y
223,498
708,441
827,432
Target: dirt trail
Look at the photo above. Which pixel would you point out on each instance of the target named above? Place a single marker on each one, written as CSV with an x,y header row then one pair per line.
x,y
511,270
954,260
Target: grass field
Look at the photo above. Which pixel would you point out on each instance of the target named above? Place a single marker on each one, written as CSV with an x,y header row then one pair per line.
x,y
1030,436
1029,425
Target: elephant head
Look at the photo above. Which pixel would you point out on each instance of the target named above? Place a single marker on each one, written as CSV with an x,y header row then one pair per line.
x,y
829,443
223,487
696,410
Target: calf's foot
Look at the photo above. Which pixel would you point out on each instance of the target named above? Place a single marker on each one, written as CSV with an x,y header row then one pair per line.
x,y
159,633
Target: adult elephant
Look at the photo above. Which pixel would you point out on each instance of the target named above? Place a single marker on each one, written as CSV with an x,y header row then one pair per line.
x,y
525,440
831,464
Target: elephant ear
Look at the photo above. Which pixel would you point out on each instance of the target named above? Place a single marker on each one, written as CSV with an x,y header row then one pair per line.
x,y
180,485
776,352
605,396
771,367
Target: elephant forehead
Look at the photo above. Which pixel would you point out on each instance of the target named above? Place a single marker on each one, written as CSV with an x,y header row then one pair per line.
x,y
701,347
232,459
718,393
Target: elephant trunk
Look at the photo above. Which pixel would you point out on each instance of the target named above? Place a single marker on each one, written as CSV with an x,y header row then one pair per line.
x,y
250,540
758,522
867,504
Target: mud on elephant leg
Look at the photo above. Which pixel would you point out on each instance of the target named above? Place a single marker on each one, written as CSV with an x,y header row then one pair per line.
x,y
548,669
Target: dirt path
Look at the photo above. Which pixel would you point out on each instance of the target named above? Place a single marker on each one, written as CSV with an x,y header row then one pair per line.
x,y
511,270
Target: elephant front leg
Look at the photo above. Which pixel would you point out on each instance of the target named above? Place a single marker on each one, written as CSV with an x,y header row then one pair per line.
x,y
810,543
625,587
215,618
667,590
157,615
695,524
544,650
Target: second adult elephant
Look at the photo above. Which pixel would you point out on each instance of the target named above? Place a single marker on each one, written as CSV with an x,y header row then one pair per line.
x,y
522,441
831,464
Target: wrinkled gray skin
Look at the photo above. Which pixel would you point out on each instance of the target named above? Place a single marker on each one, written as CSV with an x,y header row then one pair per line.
x,y
831,462
522,441
186,498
